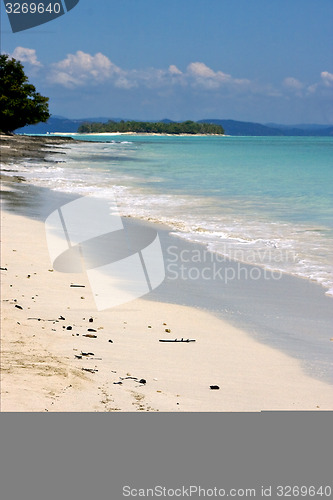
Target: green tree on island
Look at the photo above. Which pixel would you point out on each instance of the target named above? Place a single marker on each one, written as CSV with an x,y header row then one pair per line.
x,y
20,104
174,128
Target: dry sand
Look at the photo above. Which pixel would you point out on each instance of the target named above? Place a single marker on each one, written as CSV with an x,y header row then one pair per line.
x,y
40,370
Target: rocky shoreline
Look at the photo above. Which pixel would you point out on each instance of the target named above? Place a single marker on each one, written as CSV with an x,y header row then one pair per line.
x,y
22,147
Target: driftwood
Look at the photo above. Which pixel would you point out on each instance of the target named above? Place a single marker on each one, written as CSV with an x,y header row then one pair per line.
x,y
41,319
177,340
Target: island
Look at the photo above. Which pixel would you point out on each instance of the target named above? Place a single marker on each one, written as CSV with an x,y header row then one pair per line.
x,y
170,128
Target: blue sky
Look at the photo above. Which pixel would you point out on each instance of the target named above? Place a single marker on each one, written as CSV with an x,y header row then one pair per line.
x,y
252,60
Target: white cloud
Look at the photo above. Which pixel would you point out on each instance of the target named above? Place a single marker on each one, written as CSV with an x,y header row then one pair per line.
x,y
124,83
64,79
305,90
292,83
327,78
173,70
202,75
81,68
199,69
312,88
26,55
84,70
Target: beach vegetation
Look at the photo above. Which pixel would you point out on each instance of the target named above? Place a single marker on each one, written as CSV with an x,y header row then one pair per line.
x,y
173,128
20,103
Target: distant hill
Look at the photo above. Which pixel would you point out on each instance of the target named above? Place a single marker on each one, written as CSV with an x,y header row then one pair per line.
x,y
60,124
302,126
304,129
52,125
231,127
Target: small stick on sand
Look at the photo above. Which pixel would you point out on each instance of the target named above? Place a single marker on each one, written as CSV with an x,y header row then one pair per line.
x,y
177,340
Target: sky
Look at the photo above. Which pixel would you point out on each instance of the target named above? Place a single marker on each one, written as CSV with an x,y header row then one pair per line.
x,y
250,60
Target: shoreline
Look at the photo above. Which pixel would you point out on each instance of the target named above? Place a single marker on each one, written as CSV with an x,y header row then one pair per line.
x,y
41,370
297,258
134,133
235,354
155,134
19,147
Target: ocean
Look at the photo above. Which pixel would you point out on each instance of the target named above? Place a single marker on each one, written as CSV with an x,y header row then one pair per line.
x,y
261,200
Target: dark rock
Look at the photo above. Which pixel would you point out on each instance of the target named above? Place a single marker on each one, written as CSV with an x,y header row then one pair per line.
x,y
91,330
91,320
142,381
214,387
69,328
111,341
18,307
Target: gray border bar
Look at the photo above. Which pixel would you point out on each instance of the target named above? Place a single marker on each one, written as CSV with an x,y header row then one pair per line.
x,y
93,456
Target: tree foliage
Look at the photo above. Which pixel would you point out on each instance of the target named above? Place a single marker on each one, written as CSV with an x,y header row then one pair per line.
x,y
173,128
20,104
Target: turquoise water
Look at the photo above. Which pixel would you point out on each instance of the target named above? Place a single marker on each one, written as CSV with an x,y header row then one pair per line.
x,y
263,200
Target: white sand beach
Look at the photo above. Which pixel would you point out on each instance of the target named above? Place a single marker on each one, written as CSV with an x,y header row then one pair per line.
x,y
53,364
